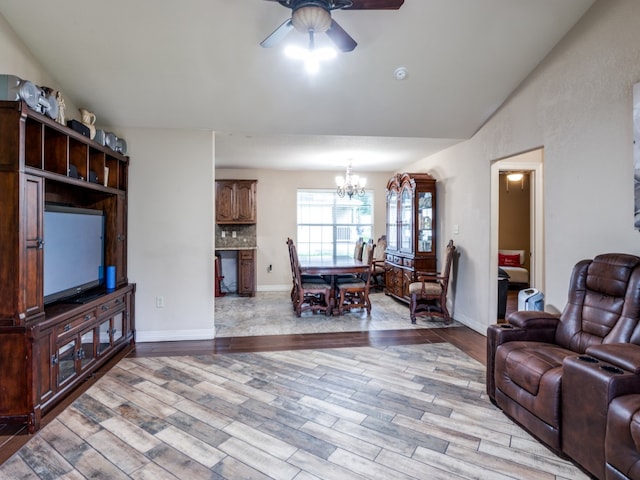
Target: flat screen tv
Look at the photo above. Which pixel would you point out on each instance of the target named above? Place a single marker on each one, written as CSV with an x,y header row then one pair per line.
x,y
73,251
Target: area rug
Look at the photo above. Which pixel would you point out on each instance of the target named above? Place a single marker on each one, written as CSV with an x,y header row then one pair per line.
x,y
398,412
271,313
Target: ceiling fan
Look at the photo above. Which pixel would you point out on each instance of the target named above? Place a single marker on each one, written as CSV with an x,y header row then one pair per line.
x,y
314,16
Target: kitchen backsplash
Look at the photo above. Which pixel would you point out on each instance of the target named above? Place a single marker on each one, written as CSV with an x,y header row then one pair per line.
x,y
240,236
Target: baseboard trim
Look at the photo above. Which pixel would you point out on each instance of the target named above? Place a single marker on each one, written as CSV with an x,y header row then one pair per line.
x,y
274,288
174,335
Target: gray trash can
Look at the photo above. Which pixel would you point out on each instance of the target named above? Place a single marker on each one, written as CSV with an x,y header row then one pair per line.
x,y
503,287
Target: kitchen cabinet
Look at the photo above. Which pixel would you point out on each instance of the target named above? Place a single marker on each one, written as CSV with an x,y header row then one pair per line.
x,y
236,201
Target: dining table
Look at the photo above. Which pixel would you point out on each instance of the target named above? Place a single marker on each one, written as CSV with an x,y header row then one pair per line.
x,y
332,267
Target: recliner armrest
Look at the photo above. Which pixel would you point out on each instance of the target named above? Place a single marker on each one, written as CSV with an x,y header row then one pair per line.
x,y
534,320
623,355
530,326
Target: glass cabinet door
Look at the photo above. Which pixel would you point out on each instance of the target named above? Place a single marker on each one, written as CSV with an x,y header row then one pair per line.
x,y
425,222
392,221
104,336
87,351
118,327
406,221
66,361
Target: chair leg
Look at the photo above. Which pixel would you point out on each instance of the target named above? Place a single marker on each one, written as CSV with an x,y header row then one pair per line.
x,y
329,303
412,307
367,302
341,302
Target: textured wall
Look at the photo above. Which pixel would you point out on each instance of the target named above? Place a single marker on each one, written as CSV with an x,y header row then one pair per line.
x,y
577,105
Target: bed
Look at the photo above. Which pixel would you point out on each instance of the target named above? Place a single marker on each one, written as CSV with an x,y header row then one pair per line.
x,y
512,262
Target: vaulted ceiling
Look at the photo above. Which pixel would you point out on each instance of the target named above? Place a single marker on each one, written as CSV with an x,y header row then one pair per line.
x,y
198,64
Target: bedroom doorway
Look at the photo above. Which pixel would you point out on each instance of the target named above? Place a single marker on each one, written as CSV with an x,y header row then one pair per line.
x,y
517,218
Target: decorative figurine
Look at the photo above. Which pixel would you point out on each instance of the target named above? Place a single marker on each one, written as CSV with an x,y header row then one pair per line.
x,y
89,119
61,107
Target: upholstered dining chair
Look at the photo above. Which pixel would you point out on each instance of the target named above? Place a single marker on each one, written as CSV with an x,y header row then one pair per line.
x,y
308,293
379,269
354,293
358,251
429,292
358,248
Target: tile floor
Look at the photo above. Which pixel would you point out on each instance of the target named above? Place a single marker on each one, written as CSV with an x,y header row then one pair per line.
x,y
270,313
395,412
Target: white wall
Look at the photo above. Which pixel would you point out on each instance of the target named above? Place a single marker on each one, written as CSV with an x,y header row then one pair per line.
x,y
170,239
578,106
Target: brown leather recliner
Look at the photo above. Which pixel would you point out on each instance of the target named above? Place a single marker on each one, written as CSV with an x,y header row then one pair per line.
x,y
556,375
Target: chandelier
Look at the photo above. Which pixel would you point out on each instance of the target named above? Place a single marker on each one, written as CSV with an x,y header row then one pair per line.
x,y
350,185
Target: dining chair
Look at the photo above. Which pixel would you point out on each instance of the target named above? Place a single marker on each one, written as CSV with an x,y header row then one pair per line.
x,y
428,295
293,259
379,267
357,250
310,293
357,255
355,293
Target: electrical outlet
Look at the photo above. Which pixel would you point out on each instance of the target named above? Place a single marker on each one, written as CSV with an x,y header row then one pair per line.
x,y
233,234
159,302
223,234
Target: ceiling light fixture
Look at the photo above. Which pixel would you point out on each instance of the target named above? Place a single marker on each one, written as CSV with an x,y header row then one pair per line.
x,y
311,57
351,184
513,177
311,19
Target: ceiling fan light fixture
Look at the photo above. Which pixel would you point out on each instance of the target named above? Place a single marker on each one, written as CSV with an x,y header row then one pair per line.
x,y
311,56
311,18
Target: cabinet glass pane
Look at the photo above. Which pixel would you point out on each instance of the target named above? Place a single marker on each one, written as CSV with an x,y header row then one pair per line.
x,y
425,222
66,361
118,327
104,340
86,344
406,223
392,221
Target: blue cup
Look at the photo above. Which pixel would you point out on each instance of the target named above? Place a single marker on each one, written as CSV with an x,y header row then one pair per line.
x,y
111,277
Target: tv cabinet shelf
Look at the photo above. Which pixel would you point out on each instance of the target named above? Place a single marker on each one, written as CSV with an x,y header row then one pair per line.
x,y
47,350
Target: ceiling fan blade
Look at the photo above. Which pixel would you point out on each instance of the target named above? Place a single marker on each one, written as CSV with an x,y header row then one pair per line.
x,y
375,5
277,35
341,38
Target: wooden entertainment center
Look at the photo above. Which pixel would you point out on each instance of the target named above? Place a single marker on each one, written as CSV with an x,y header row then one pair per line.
x,y
47,350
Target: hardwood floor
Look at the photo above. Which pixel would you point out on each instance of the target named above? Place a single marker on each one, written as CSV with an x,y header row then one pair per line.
x,y
13,437
412,412
464,338
378,403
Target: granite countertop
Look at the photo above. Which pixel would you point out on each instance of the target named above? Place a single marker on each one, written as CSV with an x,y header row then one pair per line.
x,y
236,248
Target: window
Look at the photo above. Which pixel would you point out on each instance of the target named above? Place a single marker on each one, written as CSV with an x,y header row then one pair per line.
x,y
329,226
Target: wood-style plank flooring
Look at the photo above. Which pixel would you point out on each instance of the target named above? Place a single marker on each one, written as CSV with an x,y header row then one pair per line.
x,y
396,404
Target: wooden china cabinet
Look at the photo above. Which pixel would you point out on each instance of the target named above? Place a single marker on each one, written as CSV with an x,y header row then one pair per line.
x,y
411,231
47,349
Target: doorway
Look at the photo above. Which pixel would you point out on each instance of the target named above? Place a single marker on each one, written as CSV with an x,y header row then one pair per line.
x,y
528,234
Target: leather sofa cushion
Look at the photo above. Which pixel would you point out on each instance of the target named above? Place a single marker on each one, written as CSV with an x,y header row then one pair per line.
x,y
530,374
